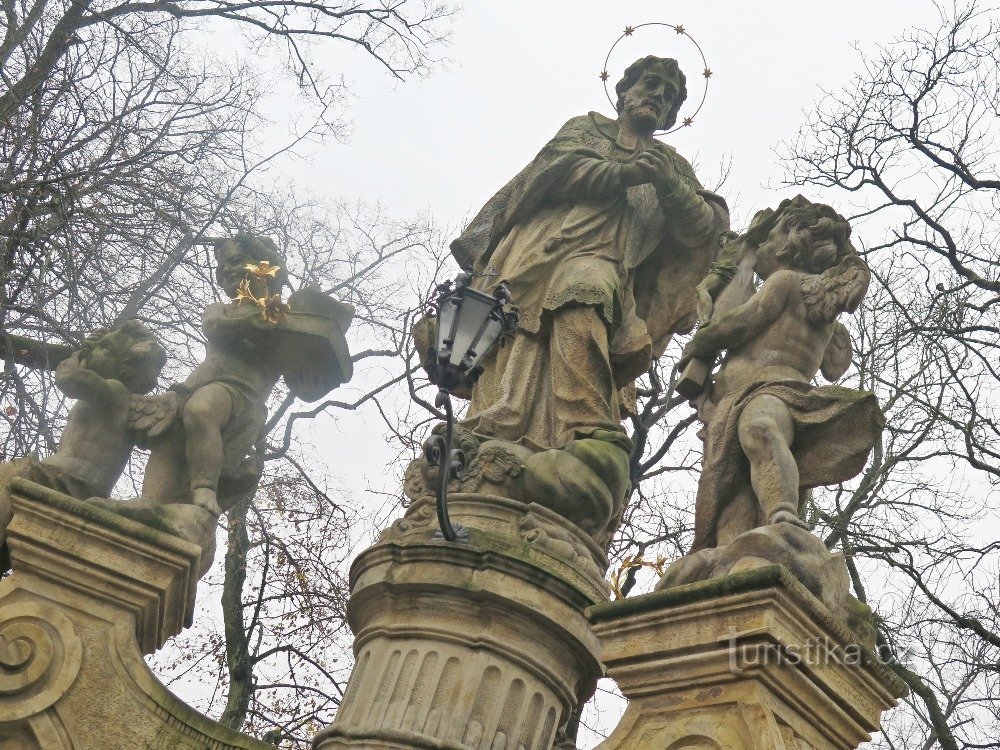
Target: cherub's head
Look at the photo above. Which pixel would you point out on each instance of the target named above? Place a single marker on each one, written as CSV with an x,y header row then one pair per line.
x,y
232,257
129,352
799,235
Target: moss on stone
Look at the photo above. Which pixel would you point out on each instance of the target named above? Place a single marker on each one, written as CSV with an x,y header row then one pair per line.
x,y
536,558
858,619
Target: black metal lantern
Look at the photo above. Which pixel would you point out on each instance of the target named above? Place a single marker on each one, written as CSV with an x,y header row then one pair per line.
x,y
470,324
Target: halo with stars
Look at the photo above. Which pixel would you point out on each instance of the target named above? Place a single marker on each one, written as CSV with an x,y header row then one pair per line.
x,y
678,29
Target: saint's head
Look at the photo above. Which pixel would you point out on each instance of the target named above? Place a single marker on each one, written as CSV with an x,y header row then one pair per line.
x,y
233,256
651,93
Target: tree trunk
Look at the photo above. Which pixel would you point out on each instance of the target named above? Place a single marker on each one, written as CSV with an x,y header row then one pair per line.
x,y
237,642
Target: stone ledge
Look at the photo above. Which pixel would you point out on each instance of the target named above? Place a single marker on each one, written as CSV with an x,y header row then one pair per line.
x,y
749,660
758,579
88,589
106,558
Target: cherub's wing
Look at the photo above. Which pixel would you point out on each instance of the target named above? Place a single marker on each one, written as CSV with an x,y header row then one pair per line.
x,y
837,357
837,290
151,416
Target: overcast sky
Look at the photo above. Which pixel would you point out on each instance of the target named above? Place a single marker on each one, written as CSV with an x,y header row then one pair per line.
x,y
518,69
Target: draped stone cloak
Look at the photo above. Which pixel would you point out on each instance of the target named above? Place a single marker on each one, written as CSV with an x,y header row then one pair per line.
x,y
564,231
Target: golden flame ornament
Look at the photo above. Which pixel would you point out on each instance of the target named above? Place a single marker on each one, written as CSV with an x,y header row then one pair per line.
x,y
629,563
272,308
263,269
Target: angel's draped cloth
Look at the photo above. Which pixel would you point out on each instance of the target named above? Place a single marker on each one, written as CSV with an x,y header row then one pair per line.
x,y
601,277
835,429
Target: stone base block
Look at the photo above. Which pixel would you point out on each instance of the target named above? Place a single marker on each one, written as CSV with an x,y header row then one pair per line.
x,y
90,592
458,646
751,661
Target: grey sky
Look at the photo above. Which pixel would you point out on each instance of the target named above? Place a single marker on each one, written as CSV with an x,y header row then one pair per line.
x,y
518,69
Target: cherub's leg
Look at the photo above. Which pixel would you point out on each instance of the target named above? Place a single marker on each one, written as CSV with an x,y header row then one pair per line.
x,y
205,415
766,434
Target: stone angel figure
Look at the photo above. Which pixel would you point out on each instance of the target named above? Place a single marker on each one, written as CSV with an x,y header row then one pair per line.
x,y
204,431
770,433
207,456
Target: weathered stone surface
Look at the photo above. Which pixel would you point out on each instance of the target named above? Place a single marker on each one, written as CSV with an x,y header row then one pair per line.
x,y
90,592
206,457
471,645
770,434
601,241
700,666
822,572
107,376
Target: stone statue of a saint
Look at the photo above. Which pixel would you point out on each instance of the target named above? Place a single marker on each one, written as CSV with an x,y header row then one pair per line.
x,y
601,240
770,434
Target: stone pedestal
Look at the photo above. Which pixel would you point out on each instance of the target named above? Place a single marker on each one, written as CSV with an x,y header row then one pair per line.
x,y
89,594
475,645
751,661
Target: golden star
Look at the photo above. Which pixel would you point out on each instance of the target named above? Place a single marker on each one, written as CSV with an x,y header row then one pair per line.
x,y
707,73
604,75
688,121
629,30
679,29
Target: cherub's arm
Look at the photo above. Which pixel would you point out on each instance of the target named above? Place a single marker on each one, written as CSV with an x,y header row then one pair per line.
x,y
741,324
719,274
76,381
221,328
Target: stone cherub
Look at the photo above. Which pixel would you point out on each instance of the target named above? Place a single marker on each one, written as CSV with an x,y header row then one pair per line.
x,y
770,433
107,376
203,459
251,343
601,240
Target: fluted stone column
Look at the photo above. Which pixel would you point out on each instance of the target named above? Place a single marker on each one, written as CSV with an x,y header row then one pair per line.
x,y
89,594
475,645
751,661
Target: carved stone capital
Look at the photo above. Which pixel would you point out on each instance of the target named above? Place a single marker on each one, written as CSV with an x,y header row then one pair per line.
x,y
482,644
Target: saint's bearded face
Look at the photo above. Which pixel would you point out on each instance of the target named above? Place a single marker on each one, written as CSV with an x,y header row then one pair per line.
x,y
648,102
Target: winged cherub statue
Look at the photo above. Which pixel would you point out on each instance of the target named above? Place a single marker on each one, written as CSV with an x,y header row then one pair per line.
x,y
771,434
107,376
207,456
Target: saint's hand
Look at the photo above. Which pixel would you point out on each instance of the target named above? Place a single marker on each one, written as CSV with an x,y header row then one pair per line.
x,y
633,174
659,169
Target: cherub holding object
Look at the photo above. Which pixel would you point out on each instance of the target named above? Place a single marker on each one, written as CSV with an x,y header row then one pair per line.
x,y
771,434
207,457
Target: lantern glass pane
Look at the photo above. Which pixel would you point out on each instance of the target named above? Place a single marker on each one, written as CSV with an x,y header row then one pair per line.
x,y
446,322
488,339
475,310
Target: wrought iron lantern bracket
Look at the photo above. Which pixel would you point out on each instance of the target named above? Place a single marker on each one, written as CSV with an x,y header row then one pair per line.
x,y
470,325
